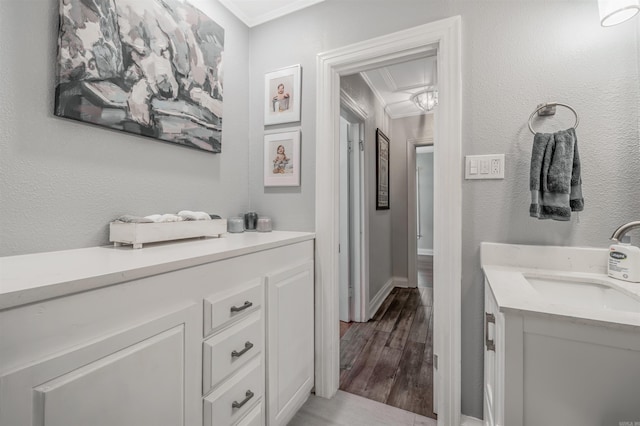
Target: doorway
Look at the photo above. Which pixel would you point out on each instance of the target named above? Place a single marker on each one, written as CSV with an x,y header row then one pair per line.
x,y
445,36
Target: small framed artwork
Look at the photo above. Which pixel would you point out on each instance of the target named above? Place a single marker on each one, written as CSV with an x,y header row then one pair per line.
x,y
382,171
282,95
282,159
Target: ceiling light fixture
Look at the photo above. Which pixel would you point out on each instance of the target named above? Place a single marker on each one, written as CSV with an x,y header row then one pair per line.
x,y
427,99
614,12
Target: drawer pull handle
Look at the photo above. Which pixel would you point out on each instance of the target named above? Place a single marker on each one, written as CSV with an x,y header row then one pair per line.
x,y
246,305
490,343
247,346
237,404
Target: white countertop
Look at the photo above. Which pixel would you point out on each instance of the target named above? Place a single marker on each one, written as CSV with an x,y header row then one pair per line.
x,y
506,265
33,277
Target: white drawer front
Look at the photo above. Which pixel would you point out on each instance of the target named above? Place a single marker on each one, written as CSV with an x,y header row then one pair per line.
x,y
254,418
246,388
223,308
230,349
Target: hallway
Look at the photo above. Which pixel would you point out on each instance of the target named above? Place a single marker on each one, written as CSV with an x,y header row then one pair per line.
x,y
389,359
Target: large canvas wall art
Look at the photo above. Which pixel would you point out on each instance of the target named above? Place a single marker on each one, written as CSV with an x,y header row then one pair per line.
x,y
149,67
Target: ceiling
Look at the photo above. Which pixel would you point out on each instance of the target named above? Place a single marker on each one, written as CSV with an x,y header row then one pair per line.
x,y
393,84
256,12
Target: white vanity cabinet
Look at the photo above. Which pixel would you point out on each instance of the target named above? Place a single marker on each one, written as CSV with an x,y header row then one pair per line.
x,y
221,336
556,360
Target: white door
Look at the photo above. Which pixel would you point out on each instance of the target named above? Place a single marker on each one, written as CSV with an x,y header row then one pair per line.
x,y
345,293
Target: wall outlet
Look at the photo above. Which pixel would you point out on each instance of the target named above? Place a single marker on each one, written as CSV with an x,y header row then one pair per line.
x,y
484,166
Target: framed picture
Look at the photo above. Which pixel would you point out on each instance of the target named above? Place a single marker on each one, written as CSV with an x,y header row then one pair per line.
x,y
126,66
382,171
282,95
282,159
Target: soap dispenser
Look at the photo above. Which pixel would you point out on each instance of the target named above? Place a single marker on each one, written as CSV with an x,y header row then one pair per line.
x,y
624,261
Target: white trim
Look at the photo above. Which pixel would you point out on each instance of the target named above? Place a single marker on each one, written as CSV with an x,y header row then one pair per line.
x,y
425,149
252,21
425,252
446,34
377,300
470,421
401,282
352,106
374,89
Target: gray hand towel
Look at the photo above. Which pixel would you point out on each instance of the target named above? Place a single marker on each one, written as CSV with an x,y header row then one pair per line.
x,y
555,181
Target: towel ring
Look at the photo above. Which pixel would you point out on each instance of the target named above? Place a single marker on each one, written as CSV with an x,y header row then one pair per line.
x,y
550,104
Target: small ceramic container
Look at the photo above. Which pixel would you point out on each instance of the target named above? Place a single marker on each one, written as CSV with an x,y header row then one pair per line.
x,y
264,224
235,225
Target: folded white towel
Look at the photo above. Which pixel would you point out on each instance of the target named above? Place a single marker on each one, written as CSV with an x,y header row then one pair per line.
x,y
189,215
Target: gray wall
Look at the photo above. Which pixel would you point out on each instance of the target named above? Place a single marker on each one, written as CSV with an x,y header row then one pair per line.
x,y
515,56
380,254
424,163
62,181
403,129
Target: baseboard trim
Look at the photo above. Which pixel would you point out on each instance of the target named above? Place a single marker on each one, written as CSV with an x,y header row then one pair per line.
x,y
401,282
376,302
470,421
425,252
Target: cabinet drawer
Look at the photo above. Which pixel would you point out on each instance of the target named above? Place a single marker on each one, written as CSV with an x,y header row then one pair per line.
x,y
230,349
237,396
224,308
254,418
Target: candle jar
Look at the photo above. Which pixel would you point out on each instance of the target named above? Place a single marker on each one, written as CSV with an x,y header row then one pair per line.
x,y
250,221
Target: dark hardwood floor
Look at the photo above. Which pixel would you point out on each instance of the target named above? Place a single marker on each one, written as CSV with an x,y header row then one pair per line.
x,y
389,359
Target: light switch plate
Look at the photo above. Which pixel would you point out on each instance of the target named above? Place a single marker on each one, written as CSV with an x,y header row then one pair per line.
x,y
489,166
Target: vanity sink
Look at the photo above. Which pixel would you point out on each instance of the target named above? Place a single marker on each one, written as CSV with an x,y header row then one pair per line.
x,y
583,293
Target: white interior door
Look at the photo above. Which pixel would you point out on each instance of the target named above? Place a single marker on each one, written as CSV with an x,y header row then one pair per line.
x,y
344,311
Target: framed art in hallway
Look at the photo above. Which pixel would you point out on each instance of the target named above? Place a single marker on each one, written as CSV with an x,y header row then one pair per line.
x,y
282,159
382,171
282,95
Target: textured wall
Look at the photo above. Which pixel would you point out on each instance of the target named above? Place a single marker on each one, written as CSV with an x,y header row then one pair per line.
x,y
515,56
63,181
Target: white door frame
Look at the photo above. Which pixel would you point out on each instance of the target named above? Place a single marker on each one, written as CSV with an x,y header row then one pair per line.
x,y
414,42
412,243
360,311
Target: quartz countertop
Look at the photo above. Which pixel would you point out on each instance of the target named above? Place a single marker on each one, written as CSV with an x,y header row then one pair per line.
x,y
506,266
34,277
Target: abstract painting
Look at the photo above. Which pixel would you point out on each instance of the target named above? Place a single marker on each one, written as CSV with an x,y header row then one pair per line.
x,y
149,67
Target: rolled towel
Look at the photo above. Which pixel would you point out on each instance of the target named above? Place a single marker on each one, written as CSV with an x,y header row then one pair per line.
x,y
129,218
165,218
555,180
189,215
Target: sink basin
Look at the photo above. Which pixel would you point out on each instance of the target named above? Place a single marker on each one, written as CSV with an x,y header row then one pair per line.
x,y
582,293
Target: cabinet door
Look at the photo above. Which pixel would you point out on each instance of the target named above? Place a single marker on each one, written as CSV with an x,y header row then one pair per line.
x,y
144,375
290,339
493,361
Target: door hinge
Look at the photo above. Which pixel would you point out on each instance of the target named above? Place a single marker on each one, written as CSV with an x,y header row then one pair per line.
x,y
435,361
361,143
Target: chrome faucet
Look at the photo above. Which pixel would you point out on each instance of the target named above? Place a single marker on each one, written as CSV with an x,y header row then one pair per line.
x,y
619,233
